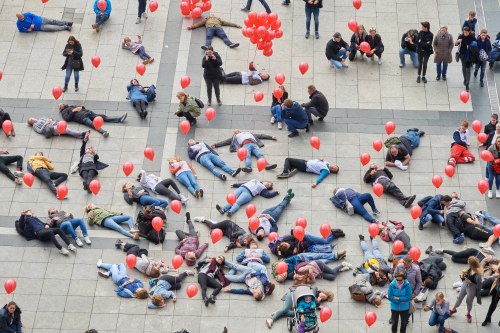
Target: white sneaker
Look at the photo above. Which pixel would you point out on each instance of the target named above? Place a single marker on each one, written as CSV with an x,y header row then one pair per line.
x,y
269,323
138,20
79,242
18,173
64,251
199,219
345,65
483,245
145,15
183,198
380,61
280,126
490,194
457,284
72,247
404,167
488,250
87,240
497,194
99,263
346,266
273,120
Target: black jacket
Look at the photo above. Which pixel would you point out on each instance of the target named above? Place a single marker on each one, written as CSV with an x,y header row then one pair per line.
x,y
424,42
318,5
6,319
211,67
333,48
370,179
76,57
68,114
432,267
319,101
192,153
407,45
356,39
375,43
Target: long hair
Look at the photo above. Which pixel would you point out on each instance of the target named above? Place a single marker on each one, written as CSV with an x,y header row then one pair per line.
x,y
73,39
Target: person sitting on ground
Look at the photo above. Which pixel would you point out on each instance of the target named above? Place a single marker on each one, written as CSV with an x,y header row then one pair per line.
x,y
295,117
34,228
188,107
383,176
10,318
238,237
433,210
246,192
186,175
208,157
459,151
211,274
214,26
161,289
101,16
127,287
141,196
374,263
68,223
362,290
84,116
111,220
161,186
140,97
42,168
269,218
29,22
337,51
317,166
136,47
147,266
189,243
357,38
16,177
399,154
251,143
48,128
276,108
4,116
317,106
342,196
89,163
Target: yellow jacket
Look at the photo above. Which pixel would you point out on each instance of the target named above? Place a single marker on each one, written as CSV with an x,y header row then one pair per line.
x,y
38,162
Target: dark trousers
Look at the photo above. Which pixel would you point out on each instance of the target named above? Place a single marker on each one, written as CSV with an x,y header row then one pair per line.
x,y
52,179
466,72
162,188
328,273
353,51
140,106
6,160
423,58
225,225
215,83
50,234
495,296
175,281
233,78
206,281
88,175
452,222
395,320
462,256
391,189
294,163
188,116
182,235
142,8
134,249
216,31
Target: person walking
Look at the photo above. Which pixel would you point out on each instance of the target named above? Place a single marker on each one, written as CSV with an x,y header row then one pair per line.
x,y
424,49
212,73
188,107
68,223
6,160
409,46
400,296
376,45
101,16
471,287
246,8
10,318
209,158
494,171
141,11
495,297
443,46
73,62
464,40
312,8
357,38
484,45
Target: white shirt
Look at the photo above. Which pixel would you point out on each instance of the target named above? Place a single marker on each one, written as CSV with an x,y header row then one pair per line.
x,y
315,166
254,186
203,149
149,181
183,167
241,137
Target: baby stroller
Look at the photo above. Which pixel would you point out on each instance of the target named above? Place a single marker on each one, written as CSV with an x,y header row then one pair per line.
x,y
311,318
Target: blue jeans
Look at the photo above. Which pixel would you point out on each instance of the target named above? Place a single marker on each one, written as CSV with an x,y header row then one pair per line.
x,y
481,64
276,112
358,203
318,240
143,54
149,200
493,176
68,227
142,8
113,223
216,31
436,217
494,54
252,148
436,319
315,12
414,138
116,271
210,161
69,69
263,2
444,66
287,309
293,125
277,210
101,18
187,179
233,275
309,256
493,220
336,63
243,196
369,254
413,57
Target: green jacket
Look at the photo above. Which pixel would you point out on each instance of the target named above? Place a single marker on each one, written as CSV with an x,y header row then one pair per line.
x,y
190,107
99,214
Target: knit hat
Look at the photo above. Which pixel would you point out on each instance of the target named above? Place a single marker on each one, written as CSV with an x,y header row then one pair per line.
x,y
337,35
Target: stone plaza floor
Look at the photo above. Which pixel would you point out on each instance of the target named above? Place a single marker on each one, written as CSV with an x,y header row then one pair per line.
x,y
64,294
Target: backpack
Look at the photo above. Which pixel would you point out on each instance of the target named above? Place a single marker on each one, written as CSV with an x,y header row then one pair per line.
x,y
19,227
424,200
392,141
199,102
151,93
356,293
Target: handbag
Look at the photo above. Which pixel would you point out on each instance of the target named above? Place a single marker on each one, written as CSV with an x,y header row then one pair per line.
x,y
411,310
483,56
199,103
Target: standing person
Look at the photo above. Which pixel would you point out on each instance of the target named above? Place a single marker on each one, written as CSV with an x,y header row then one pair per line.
x,y
459,145
161,186
357,200
73,62
212,73
494,172
317,166
246,7
413,274
42,168
337,51
295,117
214,26
189,244
211,274
495,297
138,97
400,296
10,318
424,49
471,286
383,176
101,16
68,223
127,287
464,40
409,46
471,22
6,160
276,109
489,127
492,137
443,46
317,106
185,173
188,107
269,218
209,158
84,116
136,47
48,128
111,220
141,11
89,163
312,8
376,45
138,194
357,38
440,311
4,116
29,22
484,45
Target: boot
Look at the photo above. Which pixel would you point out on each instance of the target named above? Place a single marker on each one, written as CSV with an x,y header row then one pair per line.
x,y
65,88
76,86
486,321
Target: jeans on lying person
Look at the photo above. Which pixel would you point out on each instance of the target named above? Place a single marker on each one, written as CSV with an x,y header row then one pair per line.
x,y
149,200
375,253
187,179
113,223
287,308
358,204
233,275
211,161
68,227
252,149
243,196
413,137
116,271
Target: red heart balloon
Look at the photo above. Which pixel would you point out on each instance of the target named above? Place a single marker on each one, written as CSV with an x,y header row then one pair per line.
x,y
95,186
131,260
128,167
157,224
176,206
303,67
315,142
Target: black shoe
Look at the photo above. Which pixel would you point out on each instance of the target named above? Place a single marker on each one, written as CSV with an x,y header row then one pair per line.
x,y
219,208
429,250
229,214
467,88
222,177
283,175
206,301
409,201
413,129
487,321
234,45
122,119
481,84
421,133
201,193
236,172
310,121
270,167
212,299
76,87
444,77
219,102
204,47
491,67
418,79
307,128
424,80
420,226
438,78
65,88
293,134
70,24
85,186
246,169
118,244
475,73
188,217
361,237
321,118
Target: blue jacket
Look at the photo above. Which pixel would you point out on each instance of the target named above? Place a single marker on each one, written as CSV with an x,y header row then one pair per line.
x,y
128,291
192,153
457,139
162,288
432,206
106,12
29,19
404,295
470,24
486,45
136,93
296,112
31,226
